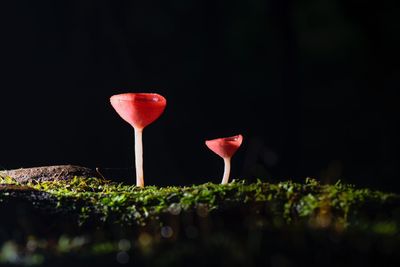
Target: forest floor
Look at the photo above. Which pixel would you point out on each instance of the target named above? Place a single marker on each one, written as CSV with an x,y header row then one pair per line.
x,y
95,222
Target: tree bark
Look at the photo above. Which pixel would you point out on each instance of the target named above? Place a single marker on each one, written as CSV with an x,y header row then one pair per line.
x,y
49,173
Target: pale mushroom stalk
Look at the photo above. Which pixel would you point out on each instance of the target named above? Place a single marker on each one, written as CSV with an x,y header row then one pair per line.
x,y
227,170
139,157
139,110
225,148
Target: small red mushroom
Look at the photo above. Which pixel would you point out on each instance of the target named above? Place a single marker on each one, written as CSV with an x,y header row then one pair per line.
x,y
225,148
139,110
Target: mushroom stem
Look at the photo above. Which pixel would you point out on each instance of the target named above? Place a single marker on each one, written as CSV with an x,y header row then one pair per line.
x,y
139,157
227,170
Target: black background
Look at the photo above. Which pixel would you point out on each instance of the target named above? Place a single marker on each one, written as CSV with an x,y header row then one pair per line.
x,y
311,85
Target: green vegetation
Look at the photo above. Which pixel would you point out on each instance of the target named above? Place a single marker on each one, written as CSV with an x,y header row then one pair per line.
x,y
126,204
94,216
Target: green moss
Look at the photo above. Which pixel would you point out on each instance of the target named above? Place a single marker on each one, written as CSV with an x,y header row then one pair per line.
x,y
126,204
229,224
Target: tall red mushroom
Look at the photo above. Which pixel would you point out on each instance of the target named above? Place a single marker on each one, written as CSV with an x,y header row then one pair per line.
x,y
139,110
225,148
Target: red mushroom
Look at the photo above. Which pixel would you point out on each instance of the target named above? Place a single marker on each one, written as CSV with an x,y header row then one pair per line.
x,y
139,110
225,148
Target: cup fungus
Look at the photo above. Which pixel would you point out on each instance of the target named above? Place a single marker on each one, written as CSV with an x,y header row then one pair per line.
x,y
225,148
139,110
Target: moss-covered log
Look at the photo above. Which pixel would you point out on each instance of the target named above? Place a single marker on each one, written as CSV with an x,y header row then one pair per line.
x,y
283,224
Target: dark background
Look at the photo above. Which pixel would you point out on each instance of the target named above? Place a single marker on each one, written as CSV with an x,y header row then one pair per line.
x,y
311,85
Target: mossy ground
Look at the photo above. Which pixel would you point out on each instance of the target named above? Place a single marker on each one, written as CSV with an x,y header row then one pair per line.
x,y
90,220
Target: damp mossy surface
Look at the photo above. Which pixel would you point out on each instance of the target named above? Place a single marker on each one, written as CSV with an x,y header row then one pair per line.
x,y
95,219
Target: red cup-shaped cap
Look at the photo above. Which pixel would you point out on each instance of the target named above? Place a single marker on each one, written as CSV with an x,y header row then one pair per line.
x,y
139,109
225,147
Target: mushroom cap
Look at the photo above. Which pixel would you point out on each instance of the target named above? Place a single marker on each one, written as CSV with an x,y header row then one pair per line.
x,y
139,109
225,147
